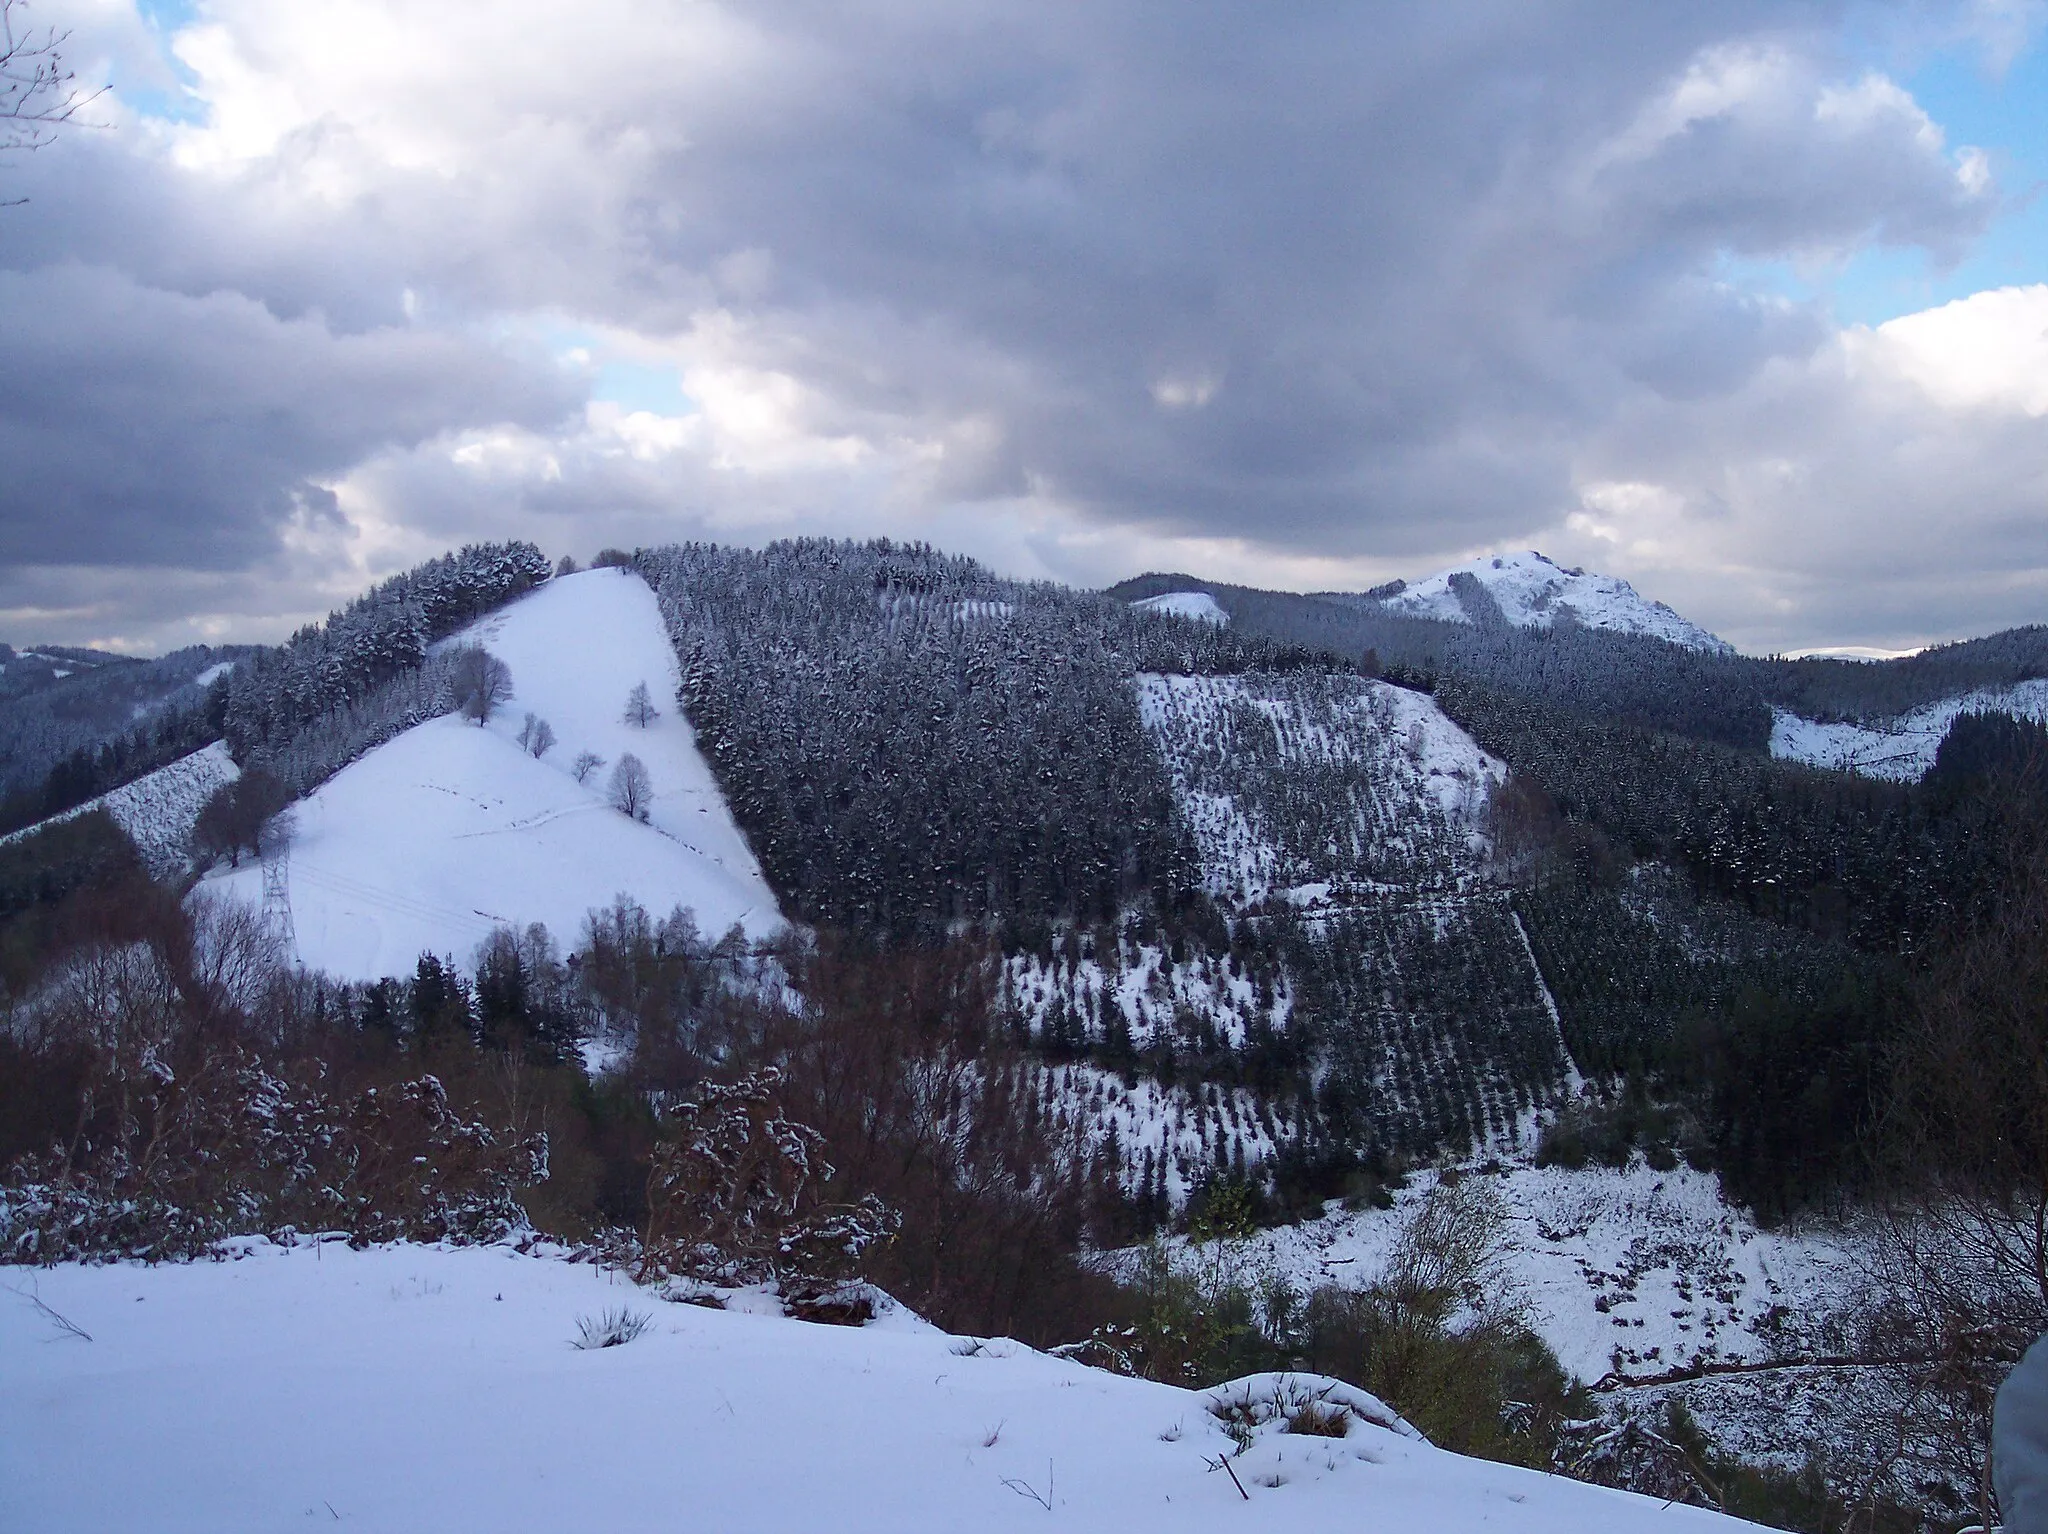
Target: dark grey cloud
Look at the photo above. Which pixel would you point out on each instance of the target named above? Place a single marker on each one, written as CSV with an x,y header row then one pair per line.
x,y
144,427
1067,285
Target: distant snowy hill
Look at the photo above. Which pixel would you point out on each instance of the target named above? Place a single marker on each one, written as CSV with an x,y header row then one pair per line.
x,y
1532,592
423,1388
1198,605
433,839
1901,749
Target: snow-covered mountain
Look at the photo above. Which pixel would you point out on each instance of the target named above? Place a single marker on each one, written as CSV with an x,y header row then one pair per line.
x,y
427,1388
1532,592
435,838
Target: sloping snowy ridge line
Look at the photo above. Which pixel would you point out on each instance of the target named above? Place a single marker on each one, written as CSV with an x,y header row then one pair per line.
x,y
449,830
426,1388
1534,593
1901,750
158,809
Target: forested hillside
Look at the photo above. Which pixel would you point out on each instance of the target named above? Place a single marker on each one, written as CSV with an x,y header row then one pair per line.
x,y
910,742
75,723
1111,922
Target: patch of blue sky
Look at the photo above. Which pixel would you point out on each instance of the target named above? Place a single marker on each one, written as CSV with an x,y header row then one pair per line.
x,y
2004,114
162,93
640,386
614,379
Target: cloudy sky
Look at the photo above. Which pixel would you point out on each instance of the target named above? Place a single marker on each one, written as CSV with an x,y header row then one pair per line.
x,y
1745,302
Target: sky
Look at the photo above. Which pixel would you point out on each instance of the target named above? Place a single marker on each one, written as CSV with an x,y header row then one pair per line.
x,y
1745,302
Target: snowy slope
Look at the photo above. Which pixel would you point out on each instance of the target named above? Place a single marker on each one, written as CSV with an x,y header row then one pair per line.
x,y
1534,593
1901,749
436,837
1413,778
1634,1272
157,810
1198,605
417,1388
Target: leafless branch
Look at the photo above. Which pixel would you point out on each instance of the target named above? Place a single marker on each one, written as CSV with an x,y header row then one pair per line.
x,y
63,1323
38,91
1024,1488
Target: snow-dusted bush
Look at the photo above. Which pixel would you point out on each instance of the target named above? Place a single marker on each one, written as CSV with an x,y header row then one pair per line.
x,y
183,1128
229,1146
734,1194
1287,1402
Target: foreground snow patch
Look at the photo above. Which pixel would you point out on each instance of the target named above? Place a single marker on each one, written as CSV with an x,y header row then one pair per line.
x,y
418,1388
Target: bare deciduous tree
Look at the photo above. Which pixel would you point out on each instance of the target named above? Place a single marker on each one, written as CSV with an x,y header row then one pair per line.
x,y
537,736
640,709
585,764
632,791
480,682
245,816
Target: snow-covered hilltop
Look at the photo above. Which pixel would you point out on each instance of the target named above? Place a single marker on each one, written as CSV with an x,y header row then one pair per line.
x,y
1198,605
413,1388
1532,592
433,839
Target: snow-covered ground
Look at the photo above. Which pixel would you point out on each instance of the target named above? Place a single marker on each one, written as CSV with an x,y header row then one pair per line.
x,y
1534,593
447,831
1634,1272
423,1388
1902,749
157,810
1198,605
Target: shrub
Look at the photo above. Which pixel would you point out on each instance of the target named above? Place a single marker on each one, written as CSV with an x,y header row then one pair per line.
x,y
734,1195
612,1329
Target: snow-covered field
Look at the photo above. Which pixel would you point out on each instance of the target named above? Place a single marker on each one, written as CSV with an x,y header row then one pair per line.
x,y
1634,1272
1901,749
1198,605
423,1388
157,810
433,839
1534,593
